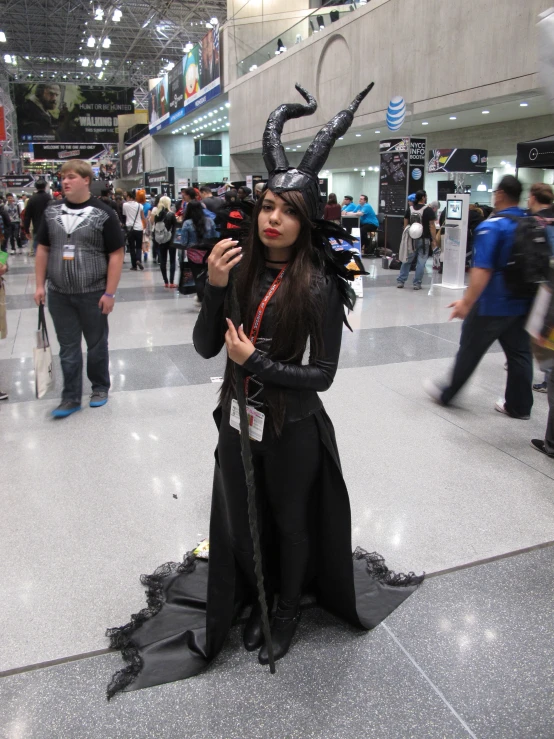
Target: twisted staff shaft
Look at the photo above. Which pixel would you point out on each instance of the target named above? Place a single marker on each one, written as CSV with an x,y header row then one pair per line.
x,y
251,487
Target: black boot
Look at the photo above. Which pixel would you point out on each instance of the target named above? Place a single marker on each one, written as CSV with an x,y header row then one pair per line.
x,y
253,636
283,628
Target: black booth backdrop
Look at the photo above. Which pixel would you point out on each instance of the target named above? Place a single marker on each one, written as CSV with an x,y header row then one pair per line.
x,y
536,154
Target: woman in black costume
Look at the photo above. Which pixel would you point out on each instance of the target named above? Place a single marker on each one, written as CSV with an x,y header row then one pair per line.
x,y
266,302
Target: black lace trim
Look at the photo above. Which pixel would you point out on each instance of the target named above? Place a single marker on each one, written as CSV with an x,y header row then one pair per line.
x,y
121,636
378,569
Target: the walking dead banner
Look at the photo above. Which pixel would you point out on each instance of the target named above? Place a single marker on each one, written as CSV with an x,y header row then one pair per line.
x,y
70,113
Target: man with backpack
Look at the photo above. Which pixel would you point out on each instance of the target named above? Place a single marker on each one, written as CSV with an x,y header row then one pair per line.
x,y
496,303
419,212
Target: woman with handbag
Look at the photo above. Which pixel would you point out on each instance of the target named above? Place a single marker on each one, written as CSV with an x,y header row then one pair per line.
x,y
164,225
286,287
135,224
196,233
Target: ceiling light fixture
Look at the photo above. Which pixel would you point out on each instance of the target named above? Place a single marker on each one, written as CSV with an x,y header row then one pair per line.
x,y
98,63
521,105
91,42
214,21
485,112
106,43
98,14
101,75
2,37
117,15
424,123
85,62
358,135
7,58
452,117
377,131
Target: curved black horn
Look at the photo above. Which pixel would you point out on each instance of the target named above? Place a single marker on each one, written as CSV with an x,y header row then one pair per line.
x,y
318,151
274,155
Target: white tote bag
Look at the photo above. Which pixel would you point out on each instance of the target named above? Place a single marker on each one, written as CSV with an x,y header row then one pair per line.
x,y
42,357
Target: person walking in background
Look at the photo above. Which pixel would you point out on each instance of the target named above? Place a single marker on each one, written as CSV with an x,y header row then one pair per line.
x,y
419,212
210,202
80,251
5,228
245,194
332,209
15,222
36,205
164,225
135,224
490,311
197,232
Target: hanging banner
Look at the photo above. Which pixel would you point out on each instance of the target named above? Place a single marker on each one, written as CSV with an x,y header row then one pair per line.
x,y
17,180
62,152
458,160
131,162
70,113
393,176
190,84
416,174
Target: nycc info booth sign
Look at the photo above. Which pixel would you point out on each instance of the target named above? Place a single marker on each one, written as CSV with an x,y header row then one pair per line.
x,y
70,113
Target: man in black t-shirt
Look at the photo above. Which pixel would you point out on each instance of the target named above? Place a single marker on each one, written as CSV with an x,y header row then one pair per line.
x,y
419,213
80,251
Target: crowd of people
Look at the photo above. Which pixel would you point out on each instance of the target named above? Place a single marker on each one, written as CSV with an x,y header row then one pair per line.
x,y
192,225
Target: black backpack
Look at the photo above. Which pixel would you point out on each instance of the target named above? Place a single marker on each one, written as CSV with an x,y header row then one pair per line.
x,y
529,260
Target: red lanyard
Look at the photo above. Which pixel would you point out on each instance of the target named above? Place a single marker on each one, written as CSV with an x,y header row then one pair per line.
x,y
258,317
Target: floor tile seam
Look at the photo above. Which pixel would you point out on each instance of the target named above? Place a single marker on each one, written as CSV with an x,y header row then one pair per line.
x,y
456,343
430,406
428,680
15,335
108,650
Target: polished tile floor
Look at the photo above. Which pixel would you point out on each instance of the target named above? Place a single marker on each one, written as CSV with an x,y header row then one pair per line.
x,y
91,502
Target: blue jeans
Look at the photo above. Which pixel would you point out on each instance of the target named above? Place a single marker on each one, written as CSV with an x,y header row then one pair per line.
x,y
75,316
421,253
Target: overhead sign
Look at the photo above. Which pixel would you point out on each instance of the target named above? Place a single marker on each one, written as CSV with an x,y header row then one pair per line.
x,y
131,162
63,152
157,176
396,113
458,160
70,113
193,81
17,180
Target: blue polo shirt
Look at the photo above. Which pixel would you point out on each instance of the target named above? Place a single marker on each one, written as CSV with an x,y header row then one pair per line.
x,y
492,244
352,208
368,214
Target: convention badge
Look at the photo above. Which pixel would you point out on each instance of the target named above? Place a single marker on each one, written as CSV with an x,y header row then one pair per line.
x,y
69,252
256,421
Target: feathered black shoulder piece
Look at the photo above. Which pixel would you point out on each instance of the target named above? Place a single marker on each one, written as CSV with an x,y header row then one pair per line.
x,y
344,264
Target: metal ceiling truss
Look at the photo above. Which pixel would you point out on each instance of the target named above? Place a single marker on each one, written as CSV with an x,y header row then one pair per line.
x,y
47,39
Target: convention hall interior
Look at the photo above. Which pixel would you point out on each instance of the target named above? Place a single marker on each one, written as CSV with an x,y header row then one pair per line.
x,y
293,477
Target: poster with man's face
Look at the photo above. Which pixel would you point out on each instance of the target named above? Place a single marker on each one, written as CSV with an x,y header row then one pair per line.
x,y
209,63
70,113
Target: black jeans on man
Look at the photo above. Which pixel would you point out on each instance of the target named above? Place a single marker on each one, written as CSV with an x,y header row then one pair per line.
x,y
134,242
478,335
549,436
15,234
365,229
75,316
164,249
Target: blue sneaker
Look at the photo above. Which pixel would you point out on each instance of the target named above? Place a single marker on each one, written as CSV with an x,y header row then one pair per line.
x,y
66,408
98,398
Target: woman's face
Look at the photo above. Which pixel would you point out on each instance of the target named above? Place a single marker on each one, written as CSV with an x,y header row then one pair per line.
x,y
278,222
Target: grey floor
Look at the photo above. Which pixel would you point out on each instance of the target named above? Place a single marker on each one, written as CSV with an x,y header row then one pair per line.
x,y
90,503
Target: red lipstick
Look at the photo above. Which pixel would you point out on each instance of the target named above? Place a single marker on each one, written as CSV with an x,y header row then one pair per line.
x,y
272,233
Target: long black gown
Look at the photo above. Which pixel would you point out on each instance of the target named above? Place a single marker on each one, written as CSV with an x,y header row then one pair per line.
x,y
192,604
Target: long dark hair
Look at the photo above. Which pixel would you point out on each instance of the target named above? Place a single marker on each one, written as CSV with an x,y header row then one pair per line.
x,y
332,200
298,302
195,213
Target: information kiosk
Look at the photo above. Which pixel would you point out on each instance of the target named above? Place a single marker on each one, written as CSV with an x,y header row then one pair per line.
x,y
455,241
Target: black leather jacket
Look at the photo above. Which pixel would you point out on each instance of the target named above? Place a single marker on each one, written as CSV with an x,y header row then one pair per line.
x,y
301,382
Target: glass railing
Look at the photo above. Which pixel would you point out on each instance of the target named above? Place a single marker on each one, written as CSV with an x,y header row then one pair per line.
x,y
318,20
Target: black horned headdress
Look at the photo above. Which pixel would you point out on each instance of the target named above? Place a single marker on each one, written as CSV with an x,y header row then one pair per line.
x,y
282,176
